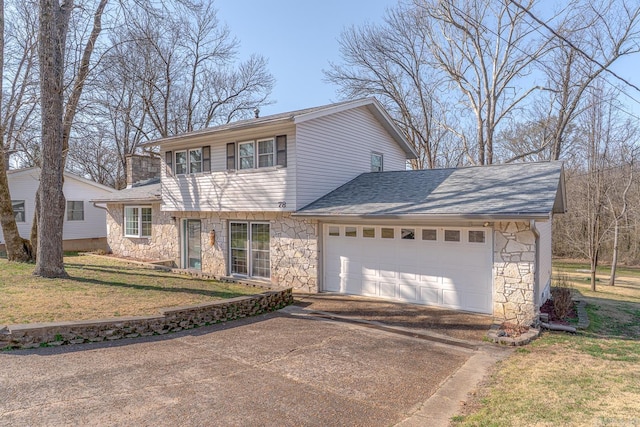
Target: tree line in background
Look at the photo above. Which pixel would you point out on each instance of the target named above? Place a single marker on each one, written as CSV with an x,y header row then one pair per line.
x,y
468,83
495,81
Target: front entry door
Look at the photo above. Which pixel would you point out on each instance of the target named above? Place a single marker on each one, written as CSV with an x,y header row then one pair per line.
x,y
192,243
249,249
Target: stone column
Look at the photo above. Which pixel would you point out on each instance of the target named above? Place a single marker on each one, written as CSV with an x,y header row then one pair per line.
x,y
514,273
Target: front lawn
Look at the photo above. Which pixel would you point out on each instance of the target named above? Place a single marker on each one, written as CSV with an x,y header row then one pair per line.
x,y
591,378
99,287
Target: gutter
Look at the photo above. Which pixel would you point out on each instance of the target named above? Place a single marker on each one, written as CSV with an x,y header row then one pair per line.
x,y
425,217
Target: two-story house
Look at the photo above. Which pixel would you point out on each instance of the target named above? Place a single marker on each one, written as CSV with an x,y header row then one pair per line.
x,y
320,200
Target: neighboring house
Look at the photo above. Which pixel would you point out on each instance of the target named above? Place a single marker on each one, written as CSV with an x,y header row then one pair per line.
x,y
84,224
320,200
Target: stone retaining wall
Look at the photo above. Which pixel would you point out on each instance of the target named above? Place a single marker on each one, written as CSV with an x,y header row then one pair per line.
x,y
170,320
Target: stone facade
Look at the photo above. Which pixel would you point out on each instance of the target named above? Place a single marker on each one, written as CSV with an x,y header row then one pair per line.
x,y
162,245
514,273
293,243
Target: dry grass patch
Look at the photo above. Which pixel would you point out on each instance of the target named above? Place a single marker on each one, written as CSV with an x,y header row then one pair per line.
x,y
592,378
99,287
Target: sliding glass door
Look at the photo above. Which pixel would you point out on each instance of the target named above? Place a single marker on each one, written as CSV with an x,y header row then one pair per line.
x,y
249,249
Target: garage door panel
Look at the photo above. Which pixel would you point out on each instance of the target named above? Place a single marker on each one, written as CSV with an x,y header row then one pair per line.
x,y
450,274
408,292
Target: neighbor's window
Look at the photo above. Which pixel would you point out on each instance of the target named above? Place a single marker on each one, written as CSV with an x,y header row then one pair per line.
x,y
334,230
451,235
137,221
368,232
429,234
476,236
246,155
265,153
408,234
75,210
350,231
18,210
376,162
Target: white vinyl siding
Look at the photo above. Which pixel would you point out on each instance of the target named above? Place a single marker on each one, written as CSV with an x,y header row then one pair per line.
x,y
255,189
23,185
334,149
544,269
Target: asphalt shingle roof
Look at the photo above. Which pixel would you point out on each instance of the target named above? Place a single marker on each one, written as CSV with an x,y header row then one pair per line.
x,y
525,189
149,190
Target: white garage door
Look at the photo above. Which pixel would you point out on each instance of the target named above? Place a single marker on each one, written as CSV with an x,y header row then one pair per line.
x,y
444,266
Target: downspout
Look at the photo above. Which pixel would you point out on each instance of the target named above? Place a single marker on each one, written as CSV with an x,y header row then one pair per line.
x,y
536,271
95,205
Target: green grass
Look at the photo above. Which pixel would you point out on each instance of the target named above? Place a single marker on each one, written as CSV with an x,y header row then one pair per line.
x,y
591,378
100,287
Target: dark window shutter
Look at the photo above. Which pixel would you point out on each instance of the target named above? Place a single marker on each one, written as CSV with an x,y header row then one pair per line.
x,y
206,158
281,150
231,156
168,158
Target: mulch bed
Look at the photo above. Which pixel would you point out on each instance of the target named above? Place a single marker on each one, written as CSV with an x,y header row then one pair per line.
x,y
547,308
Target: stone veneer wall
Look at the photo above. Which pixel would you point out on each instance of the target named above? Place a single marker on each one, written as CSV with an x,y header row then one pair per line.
x,y
170,320
294,243
514,273
294,246
163,243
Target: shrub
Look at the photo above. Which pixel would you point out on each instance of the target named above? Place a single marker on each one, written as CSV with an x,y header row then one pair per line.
x,y
562,303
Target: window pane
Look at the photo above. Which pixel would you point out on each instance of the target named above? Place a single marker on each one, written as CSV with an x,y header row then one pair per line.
x,y
351,231
376,162
246,154
386,233
146,222
408,233
130,221
239,238
429,234
334,230
181,162
195,161
75,211
368,232
265,153
260,263
18,210
476,236
451,235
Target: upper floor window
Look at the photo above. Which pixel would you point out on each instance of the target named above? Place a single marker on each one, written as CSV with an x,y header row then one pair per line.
x,y
260,153
194,160
19,210
246,155
137,221
376,162
75,210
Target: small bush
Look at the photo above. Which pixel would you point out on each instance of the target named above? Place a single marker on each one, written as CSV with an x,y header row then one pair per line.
x,y
562,303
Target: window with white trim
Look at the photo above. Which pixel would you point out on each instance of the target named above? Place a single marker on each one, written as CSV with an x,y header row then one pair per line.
x,y
137,221
181,162
75,210
376,162
195,160
19,210
266,151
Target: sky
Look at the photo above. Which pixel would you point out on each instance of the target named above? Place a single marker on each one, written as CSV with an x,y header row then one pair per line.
x,y
299,38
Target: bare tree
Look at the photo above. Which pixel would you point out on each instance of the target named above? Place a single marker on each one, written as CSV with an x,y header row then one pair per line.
x,y
484,49
391,61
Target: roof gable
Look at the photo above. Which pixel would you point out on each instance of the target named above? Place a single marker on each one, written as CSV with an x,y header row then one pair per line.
x,y
533,190
67,175
300,116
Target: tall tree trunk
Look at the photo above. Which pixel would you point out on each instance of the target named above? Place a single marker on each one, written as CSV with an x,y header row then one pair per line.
x,y
614,256
54,21
18,249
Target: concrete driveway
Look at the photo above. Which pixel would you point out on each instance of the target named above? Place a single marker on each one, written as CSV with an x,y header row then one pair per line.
x,y
285,369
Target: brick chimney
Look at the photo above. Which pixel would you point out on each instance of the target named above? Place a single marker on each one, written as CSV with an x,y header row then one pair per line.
x,y
141,168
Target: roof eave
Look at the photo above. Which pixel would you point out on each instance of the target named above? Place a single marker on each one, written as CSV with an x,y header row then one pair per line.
x,y
128,201
427,217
